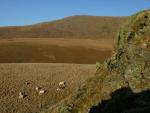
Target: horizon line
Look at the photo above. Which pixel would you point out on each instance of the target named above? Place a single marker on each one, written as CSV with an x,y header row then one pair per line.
x,y
53,20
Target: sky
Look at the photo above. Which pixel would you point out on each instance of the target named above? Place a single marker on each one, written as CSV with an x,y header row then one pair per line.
x,y
26,12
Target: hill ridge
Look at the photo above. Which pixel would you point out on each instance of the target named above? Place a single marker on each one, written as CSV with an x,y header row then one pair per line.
x,y
70,27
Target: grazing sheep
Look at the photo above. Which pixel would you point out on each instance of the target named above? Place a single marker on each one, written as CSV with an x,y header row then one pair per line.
x,y
41,92
37,88
58,89
21,95
62,85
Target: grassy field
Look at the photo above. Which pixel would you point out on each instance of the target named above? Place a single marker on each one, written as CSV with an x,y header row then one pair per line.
x,y
14,78
53,50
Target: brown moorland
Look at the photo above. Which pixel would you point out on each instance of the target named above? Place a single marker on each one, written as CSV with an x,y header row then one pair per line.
x,y
52,50
25,77
93,27
78,39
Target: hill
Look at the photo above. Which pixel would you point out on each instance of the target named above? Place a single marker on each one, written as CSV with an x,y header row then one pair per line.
x,y
71,27
122,83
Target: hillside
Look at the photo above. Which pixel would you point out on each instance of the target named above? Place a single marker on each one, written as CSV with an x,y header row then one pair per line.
x,y
71,27
122,83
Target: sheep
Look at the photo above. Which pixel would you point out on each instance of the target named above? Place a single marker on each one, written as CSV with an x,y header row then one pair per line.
x,y
37,88
22,95
41,92
62,85
58,89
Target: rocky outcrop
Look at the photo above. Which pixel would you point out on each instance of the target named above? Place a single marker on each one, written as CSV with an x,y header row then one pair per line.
x,y
132,52
128,68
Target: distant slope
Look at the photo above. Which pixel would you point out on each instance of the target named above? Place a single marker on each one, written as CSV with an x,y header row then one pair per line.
x,y
54,50
70,27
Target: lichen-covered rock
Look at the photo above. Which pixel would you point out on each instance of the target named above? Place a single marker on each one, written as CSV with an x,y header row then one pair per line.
x,y
129,66
132,51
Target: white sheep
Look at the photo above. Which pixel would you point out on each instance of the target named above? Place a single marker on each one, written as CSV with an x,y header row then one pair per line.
x,y
62,85
21,95
41,92
58,89
37,88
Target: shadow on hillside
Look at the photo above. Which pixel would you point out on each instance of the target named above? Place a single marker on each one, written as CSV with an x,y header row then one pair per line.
x,y
125,101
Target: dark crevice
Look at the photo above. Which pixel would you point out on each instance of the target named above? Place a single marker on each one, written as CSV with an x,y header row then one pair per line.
x,y
125,101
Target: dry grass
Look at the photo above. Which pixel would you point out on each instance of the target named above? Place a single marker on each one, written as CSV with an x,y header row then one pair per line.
x,y
82,40
53,50
13,78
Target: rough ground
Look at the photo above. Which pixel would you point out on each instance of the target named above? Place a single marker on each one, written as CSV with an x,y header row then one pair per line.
x,y
25,77
124,76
